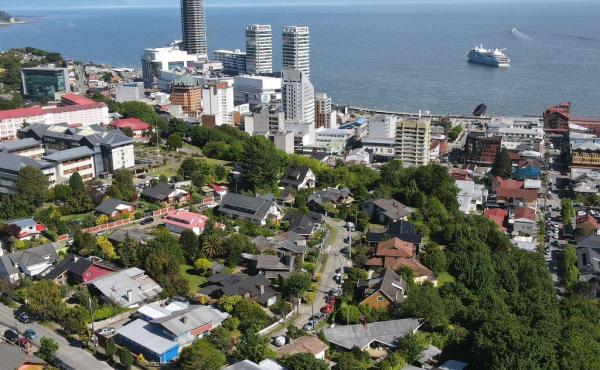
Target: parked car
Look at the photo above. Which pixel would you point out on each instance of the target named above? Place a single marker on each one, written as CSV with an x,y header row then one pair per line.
x,y
310,326
327,309
107,331
24,342
30,334
147,221
11,335
335,292
317,317
279,341
24,318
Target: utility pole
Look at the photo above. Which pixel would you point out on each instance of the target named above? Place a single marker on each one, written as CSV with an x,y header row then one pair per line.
x,y
92,318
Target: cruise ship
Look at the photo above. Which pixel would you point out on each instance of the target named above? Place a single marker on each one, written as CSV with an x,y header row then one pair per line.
x,y
492,57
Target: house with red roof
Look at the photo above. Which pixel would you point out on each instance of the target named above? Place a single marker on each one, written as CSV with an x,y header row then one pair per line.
x,y
24,228
510,192
523,221
497,216
219,190
391,249
137,126
179,220
586,225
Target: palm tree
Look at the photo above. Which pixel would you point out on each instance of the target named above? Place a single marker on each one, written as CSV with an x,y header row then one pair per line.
x,y
213,245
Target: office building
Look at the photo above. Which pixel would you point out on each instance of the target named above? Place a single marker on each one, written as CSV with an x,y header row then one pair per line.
x,y
265,120
518,133
256,90
168,58
234,61
324,115
481,149
44,83
412,142
132,91
193,27
299,106
259,49
296,48
12,164
380,138
188,97
75,160
75,110
217,101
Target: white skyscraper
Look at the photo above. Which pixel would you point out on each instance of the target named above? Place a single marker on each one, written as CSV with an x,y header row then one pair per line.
x,y
217,101
259,49
299,105
296,48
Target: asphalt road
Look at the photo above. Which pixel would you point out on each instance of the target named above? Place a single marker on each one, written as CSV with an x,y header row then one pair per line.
x,y
75,357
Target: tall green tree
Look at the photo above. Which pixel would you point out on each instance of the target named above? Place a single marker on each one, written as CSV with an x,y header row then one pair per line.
x,y
569,267
48,349
252,347
111,348
304,361
125,357
174,141
76,183
502,165
32,185
44,300
202,355
122,185
262,164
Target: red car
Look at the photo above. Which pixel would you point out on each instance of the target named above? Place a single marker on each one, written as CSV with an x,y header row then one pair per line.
x,y
327,309
24,342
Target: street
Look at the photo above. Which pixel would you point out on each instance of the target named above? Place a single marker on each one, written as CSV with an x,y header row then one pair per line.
x,y
74,357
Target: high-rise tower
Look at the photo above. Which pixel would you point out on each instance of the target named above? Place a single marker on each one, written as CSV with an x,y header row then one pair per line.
x,y
193,27
296,49
259,49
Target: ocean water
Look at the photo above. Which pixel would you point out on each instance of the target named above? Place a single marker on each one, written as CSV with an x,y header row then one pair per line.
x,y
401,57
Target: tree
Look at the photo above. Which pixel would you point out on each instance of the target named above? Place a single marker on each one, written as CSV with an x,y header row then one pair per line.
x,y
202,265
262,165
44,300
122,185
76,183
174,141
201,355
252,347
74,320
425,301
222,339
111,348
102,219
434,258
129,252
567,212
304,361
297,284
348,314
227,303
411,347
187,167
569,267
106,248
190,245
502,165
128,131
32,185
213,244
125,357
252,317
48,349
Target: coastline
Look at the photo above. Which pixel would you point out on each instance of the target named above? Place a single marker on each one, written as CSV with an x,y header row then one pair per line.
x,y
20,21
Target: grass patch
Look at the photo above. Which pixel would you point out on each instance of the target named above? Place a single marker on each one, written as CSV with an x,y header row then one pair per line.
x,y
76,217
194,280
105,312
323,263
331,236
444,278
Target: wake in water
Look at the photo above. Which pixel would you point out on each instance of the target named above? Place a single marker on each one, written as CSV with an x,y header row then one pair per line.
x,y
521,36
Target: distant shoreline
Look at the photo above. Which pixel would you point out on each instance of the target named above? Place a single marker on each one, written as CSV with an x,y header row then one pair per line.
x,y
18,21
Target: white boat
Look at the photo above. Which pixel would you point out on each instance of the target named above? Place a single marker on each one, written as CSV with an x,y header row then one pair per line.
x,y
492,57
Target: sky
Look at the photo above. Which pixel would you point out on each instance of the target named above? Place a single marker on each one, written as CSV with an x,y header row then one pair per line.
x,y
37,4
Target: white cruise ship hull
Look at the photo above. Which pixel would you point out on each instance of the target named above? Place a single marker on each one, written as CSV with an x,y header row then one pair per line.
x,y
488,60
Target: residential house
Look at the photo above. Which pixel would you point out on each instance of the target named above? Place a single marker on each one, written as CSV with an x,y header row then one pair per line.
x,y
403,230
389,250
382,334
453,365
23,228
304,224
523,222
325,199
161,339
29,262
420,272
287,198
271,266
178,221
497,216
115,208
165,193
588,262
126,288
307,344
267,364
13,358
257,209
471,196
383,291
384,210
219,191
78,270
298,178
358,156
512,193
586,225
256,287
288,243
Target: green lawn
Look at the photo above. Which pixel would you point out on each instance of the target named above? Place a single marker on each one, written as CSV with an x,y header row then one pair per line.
x,y
444,278
195,281
77,217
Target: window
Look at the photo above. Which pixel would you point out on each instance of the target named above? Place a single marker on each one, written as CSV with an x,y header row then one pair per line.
x,y
379,299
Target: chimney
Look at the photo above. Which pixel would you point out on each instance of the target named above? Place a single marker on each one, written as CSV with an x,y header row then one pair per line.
x,y
183,319
262,289
130,296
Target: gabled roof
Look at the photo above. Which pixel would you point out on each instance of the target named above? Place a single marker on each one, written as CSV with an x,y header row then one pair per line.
x,y
15,145
160,191
525,213
134,124
496,215
528,195
76,265
330,195
109,206
306,344
14,358
147,335
403,230
303,224
295,176
394,248
240,284
193,317
256,208
116,285
418,269
14,163
266,262
392,209
389,284
384,332
20,260
587,220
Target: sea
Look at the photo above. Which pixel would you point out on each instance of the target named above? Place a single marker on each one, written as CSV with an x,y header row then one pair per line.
x,y
400,57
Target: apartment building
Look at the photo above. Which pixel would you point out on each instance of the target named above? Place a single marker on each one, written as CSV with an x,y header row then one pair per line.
x,y
412,142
